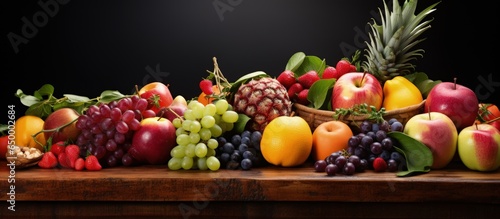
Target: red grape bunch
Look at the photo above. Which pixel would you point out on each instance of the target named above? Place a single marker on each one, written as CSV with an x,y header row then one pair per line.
x,y
107,128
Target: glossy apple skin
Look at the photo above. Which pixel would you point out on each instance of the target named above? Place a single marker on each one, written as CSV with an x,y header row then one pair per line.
x,y
59,118
479,147
352,89
152,142
459,103
149,91
438,133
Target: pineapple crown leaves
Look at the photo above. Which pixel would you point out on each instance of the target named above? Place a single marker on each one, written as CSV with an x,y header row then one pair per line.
x,y
391,47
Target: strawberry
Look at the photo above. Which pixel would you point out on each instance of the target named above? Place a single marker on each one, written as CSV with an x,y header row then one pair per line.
x,y
343,66
91,163
63,161
308,78
48,161
330,72
302,97
353,68
294,90
379,165
57,148
72,152
286,78
79,164
206,86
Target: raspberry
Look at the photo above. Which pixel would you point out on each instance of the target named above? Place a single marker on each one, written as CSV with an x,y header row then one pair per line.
x,y
379,165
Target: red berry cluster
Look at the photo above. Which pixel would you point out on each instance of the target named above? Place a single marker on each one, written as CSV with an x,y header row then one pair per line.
x,y
68,156
298,86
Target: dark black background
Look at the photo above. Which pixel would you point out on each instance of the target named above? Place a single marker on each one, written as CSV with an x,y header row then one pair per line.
x,y
91,46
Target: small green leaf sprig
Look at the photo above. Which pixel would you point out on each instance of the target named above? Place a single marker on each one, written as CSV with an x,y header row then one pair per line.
x,y
361,110
43,102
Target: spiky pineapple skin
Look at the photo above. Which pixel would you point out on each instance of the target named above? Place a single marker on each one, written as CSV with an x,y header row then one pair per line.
x,y
262,100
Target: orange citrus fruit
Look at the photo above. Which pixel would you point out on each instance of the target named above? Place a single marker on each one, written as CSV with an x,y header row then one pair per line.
x,y
286,141
26,127
202,98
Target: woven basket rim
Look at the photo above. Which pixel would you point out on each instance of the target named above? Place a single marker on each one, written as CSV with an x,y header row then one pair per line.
x,y
331,113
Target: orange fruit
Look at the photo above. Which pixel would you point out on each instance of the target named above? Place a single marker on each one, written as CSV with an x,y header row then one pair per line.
x,y
26,126
202,98
286,141
329,137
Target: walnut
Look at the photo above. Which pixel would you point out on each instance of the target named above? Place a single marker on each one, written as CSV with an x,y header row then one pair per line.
x,y
24,156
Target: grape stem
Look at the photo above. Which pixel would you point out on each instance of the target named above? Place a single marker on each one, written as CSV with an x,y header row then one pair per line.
x,y
54,130
177,115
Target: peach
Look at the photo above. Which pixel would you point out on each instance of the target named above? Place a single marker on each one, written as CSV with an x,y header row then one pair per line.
x,y
329,137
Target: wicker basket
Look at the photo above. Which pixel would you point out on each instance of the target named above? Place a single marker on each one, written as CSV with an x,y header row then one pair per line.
x,y
315,117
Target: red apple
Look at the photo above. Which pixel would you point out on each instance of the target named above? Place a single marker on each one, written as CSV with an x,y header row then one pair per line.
x,y
479,147
157,94
458,102
175,109
64,119
286,78
153,141
355,88
438,132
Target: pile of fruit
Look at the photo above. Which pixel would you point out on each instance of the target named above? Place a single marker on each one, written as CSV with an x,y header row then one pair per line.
x,y
250,123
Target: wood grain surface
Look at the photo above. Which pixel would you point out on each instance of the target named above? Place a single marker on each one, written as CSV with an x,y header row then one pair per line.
x,y
153,190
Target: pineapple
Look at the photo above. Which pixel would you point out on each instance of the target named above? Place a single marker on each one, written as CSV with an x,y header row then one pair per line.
x,y
391,47
262,99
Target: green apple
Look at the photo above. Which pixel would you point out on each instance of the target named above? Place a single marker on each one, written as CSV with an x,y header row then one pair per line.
x,y
438,132
479,147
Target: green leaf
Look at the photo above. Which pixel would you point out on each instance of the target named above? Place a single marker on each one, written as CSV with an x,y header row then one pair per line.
x,y
243,79
422,81
40,109
28,100
240,125
311,63
426,86
110,95
76,98
418,156
295,61
320,93
45,90
250,76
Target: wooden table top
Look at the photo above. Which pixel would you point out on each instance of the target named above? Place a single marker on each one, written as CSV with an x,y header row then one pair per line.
x,y
158,183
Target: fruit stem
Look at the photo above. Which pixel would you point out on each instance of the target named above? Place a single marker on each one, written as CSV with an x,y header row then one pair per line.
x,y
177,115
54,130
454,83
493,120
363,78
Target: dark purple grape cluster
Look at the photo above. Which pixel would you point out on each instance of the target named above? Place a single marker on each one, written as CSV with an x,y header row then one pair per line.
x,y
373,142
107,129
240,151
341,162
